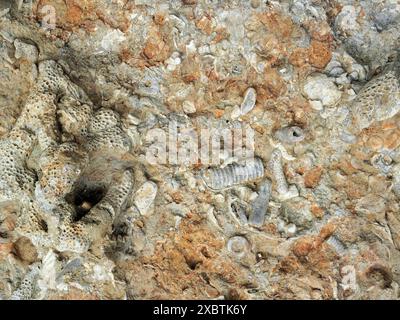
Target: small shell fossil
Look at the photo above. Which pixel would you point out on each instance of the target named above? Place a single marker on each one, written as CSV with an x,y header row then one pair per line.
x,y
290,134
239,211
233,174
249,101
238,246
382,162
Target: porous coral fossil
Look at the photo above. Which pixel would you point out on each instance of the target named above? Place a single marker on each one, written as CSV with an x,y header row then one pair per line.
x,y
15,177
379,99
47,216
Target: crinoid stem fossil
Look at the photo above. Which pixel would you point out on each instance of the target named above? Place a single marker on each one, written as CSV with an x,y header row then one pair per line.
x,y
285,191
233,174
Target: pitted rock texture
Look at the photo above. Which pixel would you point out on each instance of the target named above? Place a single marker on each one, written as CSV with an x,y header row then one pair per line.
x,y
89,88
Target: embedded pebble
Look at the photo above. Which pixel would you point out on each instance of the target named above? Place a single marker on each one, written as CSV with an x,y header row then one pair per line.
x,y
321,88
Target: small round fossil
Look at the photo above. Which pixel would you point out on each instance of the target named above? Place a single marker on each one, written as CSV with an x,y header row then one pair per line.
x,y
238,246
290,134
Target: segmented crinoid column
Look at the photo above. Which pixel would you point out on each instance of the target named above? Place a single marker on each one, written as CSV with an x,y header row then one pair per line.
x,y
379,99
233,174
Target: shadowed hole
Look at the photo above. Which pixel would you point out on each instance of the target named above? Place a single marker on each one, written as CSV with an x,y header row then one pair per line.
x,y
85,197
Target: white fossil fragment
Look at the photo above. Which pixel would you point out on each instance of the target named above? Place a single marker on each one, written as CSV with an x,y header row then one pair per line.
x,y
188,107
278,145
337,245
285,191
111,41
27,287
316,105
47,274
249,101
26,51
291,229
238,246
260,204
145,196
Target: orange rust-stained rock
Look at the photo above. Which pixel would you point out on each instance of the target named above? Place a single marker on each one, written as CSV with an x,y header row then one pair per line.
x,y
159,18
375,142
5,249
74,15
189,264
69,13
177,197
320,54
346,167
317,211
392,140
156,49
289,264
221,34
327,231
273,83
303,246
277,23
205,25
190,69
312,177
320,31
189,2
299,57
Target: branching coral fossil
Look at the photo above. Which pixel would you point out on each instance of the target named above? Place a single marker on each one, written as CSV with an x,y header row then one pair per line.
x,y
64,165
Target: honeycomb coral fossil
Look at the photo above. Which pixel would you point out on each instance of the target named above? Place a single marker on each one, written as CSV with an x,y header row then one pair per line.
x,y
15,177
47,215
39,112
27,287
379,99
